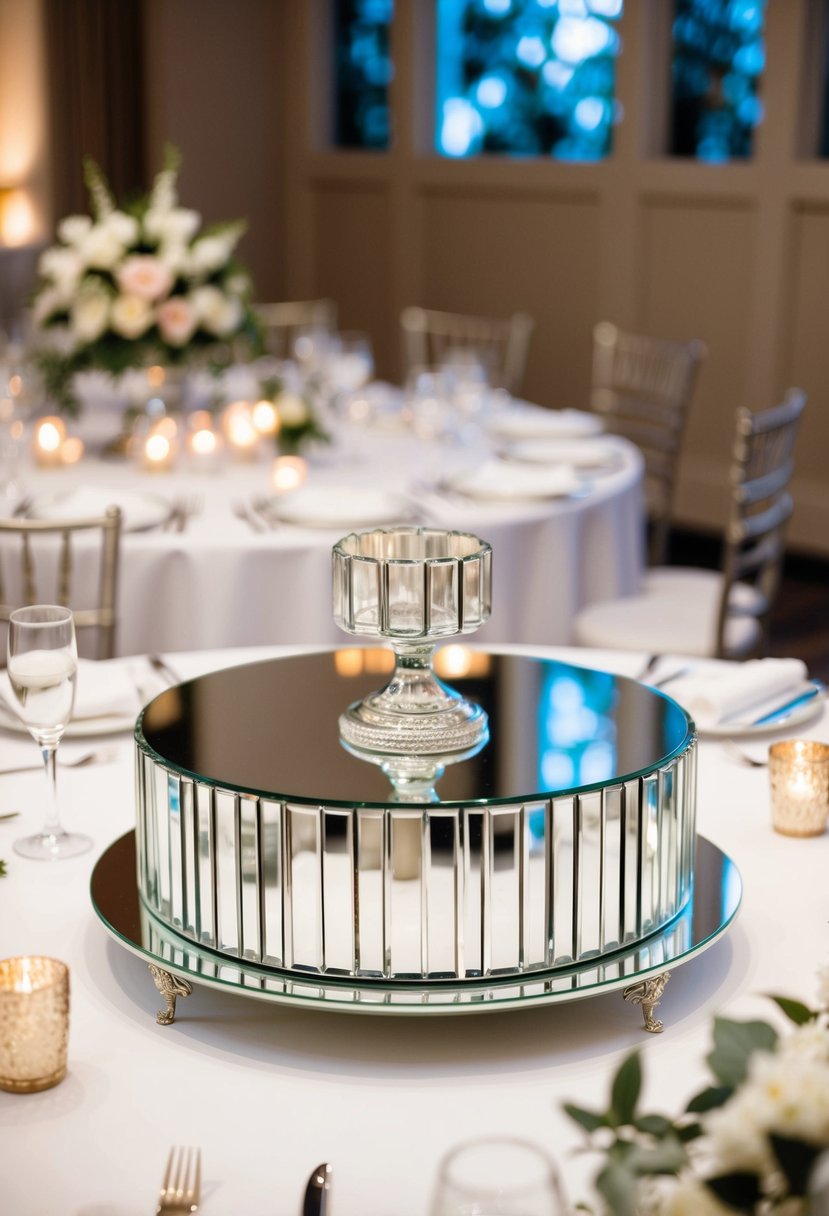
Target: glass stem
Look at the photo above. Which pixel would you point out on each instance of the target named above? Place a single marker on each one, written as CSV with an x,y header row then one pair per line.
x,y
49,752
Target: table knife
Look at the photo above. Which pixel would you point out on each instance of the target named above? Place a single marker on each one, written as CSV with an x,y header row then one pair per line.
x,y
781,712
315,1202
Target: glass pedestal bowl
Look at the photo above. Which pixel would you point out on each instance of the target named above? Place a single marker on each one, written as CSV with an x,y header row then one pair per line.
x,y
413,587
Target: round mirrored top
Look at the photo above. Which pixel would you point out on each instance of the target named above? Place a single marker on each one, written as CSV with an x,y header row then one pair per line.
x,y
271,728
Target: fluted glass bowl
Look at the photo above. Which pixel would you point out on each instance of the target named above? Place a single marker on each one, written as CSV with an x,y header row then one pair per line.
x,y
412,586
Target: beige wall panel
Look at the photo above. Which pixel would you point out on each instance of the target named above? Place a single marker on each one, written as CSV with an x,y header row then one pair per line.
x,y
351,243
696,282
806,365
493,255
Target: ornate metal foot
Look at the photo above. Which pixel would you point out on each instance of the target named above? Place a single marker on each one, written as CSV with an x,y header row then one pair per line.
x,y
170,987
648,994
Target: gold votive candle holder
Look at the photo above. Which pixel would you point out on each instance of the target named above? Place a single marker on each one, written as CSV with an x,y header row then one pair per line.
x,y
799,776
34,1023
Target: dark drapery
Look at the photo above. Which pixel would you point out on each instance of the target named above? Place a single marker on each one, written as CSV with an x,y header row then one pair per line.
x,y
95,70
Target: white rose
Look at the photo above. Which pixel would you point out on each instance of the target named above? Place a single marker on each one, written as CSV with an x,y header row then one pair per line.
x,y
210,253
124,227
131,316
218,313
176,226
146,276
89,315
293,411
101,248
176,320
63,266
74,228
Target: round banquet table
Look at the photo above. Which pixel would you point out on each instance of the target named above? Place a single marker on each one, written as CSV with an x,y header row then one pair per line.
x,y
222,583
268,1092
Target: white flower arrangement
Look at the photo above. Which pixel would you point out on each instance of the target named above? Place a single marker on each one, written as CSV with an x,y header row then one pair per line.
x,y
753,1142
140,284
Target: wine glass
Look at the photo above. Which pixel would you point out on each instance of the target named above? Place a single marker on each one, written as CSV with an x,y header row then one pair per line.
x,y
42,666
497,1176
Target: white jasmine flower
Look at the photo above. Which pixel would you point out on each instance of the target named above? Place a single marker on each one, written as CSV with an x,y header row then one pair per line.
x,y
809,1041
124,227
737,1134
218,313
293,411
176,226
101,248
210,253
177,320
74,228
63,266
132,316
89,315
789,1094
146,276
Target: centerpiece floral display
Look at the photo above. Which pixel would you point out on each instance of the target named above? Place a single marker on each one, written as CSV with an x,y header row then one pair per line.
x,y
141,284
754,1141
297,419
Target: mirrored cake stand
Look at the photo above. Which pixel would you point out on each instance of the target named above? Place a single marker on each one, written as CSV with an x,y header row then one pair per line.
x,y
641,972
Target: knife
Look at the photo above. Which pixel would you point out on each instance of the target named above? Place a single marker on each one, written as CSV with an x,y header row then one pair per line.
x,y
315,1202
781,712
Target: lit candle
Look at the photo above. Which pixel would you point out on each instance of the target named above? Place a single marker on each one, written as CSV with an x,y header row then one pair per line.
x,y
34,1013
158,452
242,435
799,776
203,444
265,417
71,450
288,473
49,436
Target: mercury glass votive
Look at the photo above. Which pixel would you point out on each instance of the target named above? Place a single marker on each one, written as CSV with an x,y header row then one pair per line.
x,y
799,776
34,1023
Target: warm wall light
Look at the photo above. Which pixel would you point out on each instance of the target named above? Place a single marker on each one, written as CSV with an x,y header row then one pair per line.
x,y
17,217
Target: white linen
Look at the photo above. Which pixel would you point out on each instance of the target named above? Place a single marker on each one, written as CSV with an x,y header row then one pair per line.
x,y
596,453
531,422
713,694
500,481
268,1092
140,509
220,583
102,688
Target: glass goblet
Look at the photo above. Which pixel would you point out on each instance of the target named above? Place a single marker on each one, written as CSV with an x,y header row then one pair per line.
x,y
497,1176
42,667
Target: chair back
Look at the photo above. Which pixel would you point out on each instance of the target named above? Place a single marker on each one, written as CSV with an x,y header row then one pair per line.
x,y
44,568
282,321
642,387
502,344
761,505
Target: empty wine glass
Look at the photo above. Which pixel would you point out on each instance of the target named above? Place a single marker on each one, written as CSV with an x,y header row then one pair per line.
x,y
42,666
497,1176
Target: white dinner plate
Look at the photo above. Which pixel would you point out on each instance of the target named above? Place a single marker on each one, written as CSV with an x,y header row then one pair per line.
x,y
537,423
141,510
593,453
79,728
743,725
340,507
500,481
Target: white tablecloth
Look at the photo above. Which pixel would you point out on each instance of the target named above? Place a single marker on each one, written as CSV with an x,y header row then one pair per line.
x,y
269,1092
220,583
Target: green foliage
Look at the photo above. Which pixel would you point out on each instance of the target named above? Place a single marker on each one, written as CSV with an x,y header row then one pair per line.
x,y
734,1045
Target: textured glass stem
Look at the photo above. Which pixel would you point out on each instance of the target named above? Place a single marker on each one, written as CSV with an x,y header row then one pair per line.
x,y
49,752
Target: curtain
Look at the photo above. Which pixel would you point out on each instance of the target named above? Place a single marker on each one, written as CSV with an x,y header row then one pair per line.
x,y
94,54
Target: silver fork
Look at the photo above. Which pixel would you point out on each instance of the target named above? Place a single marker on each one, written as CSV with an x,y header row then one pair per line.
x,y
102,756
181,1187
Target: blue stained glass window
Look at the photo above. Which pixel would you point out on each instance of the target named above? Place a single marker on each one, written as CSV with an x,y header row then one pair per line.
x,y
527,77
719,56
362,73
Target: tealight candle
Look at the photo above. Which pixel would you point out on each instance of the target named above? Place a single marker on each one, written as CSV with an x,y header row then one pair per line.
x,y
288,473
203,443
265,417
48,439
799,776
158,452
34,1023
242,435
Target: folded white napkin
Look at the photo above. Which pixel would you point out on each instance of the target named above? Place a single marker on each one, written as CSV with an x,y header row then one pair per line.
x,y
712,695
498,479
103,688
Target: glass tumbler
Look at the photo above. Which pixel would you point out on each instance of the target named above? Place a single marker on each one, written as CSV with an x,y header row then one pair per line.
x,y
497,1176
34,1023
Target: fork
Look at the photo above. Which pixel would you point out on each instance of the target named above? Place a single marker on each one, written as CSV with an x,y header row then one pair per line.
x,y
102,756
181,1187
737,753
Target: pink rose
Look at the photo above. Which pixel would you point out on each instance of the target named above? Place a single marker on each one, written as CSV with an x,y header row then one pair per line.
x,y
145,276
176,320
